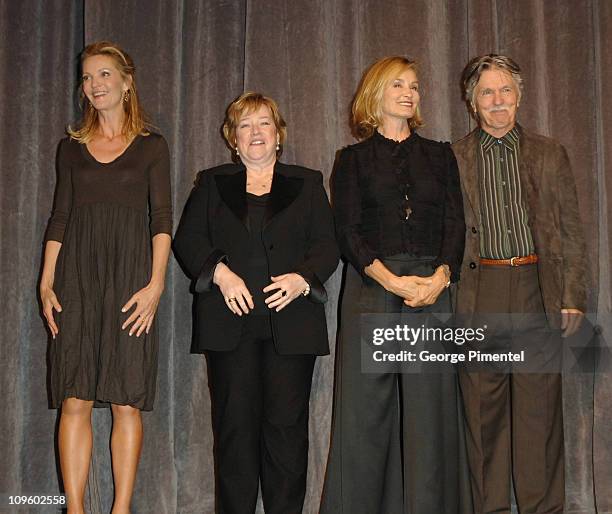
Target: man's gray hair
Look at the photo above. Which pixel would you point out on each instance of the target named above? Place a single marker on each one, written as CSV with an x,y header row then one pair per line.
x,y
473,70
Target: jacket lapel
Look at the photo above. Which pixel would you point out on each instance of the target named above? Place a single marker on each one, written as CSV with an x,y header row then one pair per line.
x,y
232,189
468,153
529,159
285,189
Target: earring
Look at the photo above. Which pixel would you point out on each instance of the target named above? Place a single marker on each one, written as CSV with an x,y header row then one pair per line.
x,y
277,144
126,95
237,152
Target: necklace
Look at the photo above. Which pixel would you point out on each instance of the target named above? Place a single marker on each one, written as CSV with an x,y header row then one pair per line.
x,y
261,183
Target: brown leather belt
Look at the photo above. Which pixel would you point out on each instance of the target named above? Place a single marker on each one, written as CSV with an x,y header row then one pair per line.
x,y
513,261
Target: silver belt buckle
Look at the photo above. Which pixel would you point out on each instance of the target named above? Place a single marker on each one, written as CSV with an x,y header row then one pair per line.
x,y
512,261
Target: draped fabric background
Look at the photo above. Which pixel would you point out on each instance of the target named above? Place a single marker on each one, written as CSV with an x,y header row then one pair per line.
x,y
193,57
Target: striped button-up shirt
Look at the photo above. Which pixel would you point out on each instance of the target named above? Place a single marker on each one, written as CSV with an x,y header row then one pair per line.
x,y
504,224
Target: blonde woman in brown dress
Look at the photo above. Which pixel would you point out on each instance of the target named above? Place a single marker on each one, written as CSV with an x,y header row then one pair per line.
x,y
106,252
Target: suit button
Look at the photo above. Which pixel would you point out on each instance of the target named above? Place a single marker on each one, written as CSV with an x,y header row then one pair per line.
x,y
472,265
474,230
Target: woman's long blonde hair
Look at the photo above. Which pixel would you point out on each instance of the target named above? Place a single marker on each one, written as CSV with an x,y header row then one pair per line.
x,y
367,102
135,120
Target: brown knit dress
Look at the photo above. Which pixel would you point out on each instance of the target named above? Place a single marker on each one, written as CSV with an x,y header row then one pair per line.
x,y
105,216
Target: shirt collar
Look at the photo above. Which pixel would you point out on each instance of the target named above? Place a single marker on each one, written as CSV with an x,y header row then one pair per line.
x,y
510,140
392,143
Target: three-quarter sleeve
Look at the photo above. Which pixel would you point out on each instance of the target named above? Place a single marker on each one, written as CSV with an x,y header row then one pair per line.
x,y
453,236
346,204
62,204
160,195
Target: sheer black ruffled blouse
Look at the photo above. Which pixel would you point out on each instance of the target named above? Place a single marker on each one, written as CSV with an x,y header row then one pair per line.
x,y
390,198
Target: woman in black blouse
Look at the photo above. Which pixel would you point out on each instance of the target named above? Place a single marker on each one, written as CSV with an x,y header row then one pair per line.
x,y
257,238
396,446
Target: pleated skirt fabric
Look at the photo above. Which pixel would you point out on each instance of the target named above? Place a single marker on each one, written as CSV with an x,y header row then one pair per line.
x,y
398,440
104,259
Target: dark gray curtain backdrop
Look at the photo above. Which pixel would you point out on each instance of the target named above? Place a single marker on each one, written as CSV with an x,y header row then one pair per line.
x,y
193,57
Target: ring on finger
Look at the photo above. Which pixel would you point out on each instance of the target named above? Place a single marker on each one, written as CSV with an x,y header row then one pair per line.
x,y
231,300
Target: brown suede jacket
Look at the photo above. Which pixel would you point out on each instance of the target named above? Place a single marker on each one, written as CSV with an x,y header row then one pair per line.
x,y
550,196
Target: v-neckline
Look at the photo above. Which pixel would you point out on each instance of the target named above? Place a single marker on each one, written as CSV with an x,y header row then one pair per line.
x,y
127,148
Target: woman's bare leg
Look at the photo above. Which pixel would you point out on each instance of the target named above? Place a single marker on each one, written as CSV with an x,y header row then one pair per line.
x,y
126,443
75,440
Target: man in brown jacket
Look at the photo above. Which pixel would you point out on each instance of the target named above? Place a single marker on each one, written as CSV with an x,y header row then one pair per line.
x,y
524,253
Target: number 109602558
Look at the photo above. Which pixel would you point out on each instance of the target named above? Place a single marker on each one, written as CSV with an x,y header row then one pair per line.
x,y
27,500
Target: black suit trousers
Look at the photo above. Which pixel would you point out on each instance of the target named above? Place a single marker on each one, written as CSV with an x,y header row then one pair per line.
x,y
260,403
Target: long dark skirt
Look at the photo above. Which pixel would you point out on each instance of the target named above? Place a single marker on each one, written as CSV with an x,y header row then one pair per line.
x,y
398,441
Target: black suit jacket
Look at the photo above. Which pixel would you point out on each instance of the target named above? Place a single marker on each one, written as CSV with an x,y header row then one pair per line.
x,y
298,234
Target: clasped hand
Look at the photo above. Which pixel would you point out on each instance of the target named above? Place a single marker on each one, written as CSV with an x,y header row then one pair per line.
x,y
288,287
238,298
419,291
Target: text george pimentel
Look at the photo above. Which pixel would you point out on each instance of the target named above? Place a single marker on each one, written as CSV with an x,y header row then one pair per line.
x,y
453,358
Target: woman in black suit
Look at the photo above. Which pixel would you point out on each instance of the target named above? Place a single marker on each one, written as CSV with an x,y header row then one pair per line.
x,y
257,238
